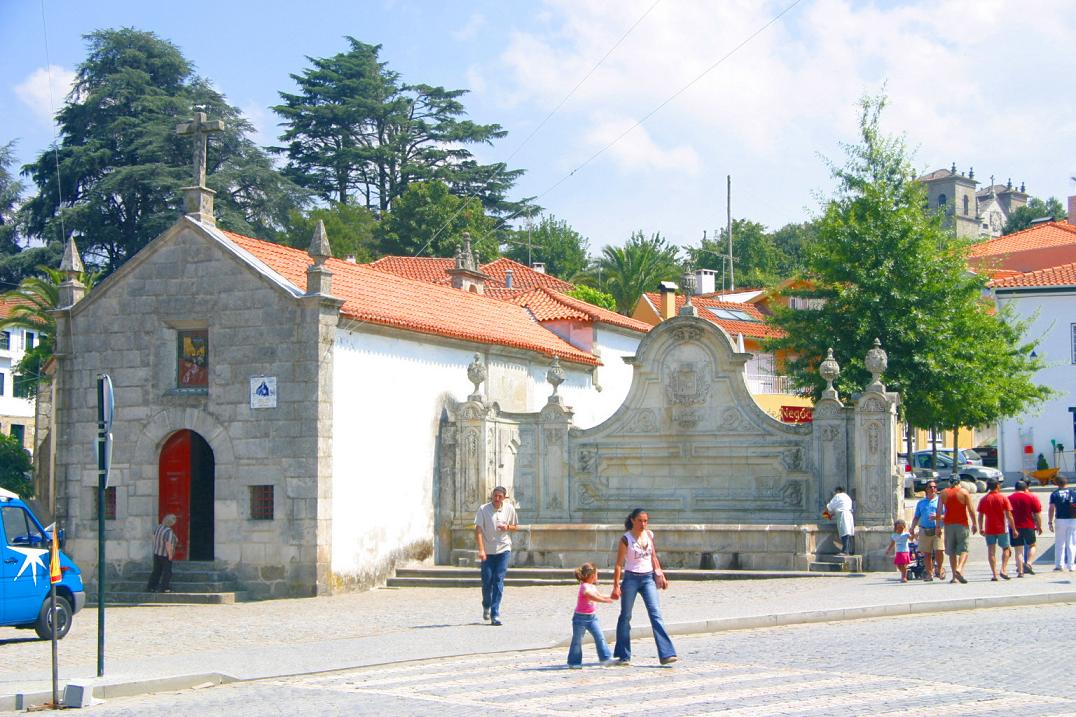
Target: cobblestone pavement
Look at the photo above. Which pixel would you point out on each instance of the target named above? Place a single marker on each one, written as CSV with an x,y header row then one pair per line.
x,y
985,665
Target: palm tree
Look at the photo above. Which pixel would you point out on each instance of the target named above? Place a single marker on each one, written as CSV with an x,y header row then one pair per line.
x,y
31,305
626,272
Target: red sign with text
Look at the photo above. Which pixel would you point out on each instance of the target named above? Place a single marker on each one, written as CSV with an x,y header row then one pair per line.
x,y
796,414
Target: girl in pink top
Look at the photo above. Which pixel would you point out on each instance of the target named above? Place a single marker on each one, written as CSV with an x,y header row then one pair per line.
x,y
585,618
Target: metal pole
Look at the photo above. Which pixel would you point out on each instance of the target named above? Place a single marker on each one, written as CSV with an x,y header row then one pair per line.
x,y
728,203
101,476
55,654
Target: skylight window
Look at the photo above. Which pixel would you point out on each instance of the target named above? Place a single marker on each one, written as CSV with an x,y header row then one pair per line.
x,y
731,314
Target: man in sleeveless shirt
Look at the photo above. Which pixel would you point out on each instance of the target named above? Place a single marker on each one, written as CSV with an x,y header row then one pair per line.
x,y
493,524
959,518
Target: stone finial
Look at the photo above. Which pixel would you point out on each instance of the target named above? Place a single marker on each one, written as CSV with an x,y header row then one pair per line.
x,y
953,170
876,363
476,374
829,369
71,264
319,280
688,283
72,289
470,263
555,376
319,244
971,173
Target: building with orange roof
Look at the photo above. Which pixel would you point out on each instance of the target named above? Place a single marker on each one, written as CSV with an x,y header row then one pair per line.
x,y
1040,246
1046,299
286,406
16,408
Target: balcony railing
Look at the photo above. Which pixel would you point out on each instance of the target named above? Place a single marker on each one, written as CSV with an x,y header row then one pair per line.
x,y
768,383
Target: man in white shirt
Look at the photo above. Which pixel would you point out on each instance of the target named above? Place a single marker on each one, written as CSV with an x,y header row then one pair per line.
x,y
840,507
493,524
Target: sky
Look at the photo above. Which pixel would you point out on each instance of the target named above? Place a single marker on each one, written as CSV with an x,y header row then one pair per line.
x,y
721,88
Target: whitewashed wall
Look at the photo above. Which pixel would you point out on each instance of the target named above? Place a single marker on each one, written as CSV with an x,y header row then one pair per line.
x,y
387,396
1052,317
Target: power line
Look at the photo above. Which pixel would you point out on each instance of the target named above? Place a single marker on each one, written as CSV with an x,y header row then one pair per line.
x,y
656,109
529,137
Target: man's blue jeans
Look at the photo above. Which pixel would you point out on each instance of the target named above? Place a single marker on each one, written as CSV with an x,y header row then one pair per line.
x,y
632,584
583,623
494,568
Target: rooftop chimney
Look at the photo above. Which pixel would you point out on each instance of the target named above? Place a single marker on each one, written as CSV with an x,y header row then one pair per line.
x,y
350,259
538,267
668,299
508,278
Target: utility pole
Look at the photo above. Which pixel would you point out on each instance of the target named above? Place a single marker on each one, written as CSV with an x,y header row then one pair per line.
x,y
728,203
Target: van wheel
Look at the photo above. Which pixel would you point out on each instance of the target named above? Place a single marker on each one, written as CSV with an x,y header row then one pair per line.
x,y
61,618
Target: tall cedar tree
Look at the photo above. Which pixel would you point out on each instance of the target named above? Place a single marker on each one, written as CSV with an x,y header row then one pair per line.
x,y
887,269
355,130
121,164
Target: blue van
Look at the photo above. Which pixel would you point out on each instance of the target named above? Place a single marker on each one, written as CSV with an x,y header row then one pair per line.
x,y
24,573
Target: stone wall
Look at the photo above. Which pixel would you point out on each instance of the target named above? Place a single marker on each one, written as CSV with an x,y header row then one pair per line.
x,y
188,278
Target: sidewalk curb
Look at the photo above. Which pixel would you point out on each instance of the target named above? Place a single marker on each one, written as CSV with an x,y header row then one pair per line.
x,y
845,613
81,692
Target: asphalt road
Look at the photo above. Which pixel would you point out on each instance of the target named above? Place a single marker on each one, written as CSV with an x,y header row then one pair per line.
x,y
987,662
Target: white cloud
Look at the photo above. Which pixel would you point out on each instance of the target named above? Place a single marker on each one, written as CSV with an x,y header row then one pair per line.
x,y
264,121
636,151
34,90
981,84
471,28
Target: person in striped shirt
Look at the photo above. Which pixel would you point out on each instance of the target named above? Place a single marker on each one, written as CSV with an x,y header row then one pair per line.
x,y
164,550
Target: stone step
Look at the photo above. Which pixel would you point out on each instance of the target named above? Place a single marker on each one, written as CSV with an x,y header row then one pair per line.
x,y
144,598
186,586
200,576
829,562
446,576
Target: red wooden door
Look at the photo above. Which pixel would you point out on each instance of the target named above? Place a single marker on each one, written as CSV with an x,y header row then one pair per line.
x,y
175,487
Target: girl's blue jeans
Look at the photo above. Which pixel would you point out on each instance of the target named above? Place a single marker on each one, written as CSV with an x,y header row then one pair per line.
x,y
581,624
633,584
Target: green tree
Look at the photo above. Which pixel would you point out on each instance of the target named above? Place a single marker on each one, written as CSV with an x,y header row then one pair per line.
x,y
553,242
15,467
356,130
10,191
428,220
886,269
351,230
1022,217
755,257
592,296
122,164
628,271
33,302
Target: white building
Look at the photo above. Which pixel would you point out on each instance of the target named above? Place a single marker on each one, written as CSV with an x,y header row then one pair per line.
x,y
16,411
1047,299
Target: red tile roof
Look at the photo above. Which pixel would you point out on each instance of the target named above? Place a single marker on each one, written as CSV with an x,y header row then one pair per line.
x,y
756,329
433,270
549,305
1041,236
383,298
1064,275
523,277
6,305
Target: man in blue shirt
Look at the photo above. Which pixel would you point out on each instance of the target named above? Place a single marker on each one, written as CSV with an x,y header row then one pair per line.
x,y
927,521
1062,509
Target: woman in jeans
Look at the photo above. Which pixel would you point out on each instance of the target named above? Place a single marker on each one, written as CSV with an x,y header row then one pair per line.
x,y
638,571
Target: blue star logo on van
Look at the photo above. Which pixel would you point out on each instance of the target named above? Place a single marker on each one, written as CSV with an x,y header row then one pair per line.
x,y
32,557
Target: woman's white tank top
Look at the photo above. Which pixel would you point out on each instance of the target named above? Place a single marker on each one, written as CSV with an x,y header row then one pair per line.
x,y
640,558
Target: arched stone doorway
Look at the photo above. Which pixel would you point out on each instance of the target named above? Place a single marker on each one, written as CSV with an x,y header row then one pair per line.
x,y
186,488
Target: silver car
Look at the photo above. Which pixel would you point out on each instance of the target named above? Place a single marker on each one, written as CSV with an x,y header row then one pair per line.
x,y
970,468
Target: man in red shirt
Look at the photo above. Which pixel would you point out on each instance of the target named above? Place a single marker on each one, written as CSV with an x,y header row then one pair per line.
x,y
995,519
1027,514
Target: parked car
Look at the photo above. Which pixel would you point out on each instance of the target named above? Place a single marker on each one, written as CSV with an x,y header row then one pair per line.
x,y
24,573
973,472
914,481
989,453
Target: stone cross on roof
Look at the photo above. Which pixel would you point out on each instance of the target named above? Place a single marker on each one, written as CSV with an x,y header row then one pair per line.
x,y
199,128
